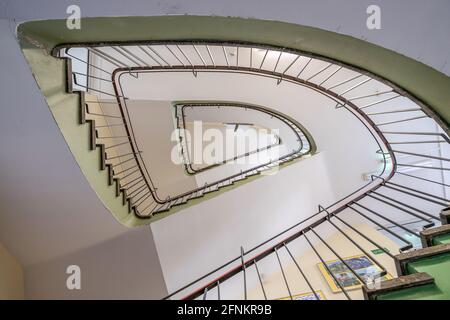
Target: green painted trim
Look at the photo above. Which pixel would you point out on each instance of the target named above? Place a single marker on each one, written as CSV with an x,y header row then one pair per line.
x,y
425,292
442,239
438,267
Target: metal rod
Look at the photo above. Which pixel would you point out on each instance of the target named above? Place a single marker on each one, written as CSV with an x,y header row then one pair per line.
x,y
430,223
174,55
284,275
264,58
134,56
143,199
383,269
113,137
116,145
278,61
388,219
419,134
417,142
370,95
418,191
378,102
149,55
244,273
110,125
365,237
319,72
96,90
226,57
338,256
129,174
147,206
303,69
422,167
328,269
126,184
185,56
420,178
406,205
125,161
199,55
103,115
344,82
135,184
355,86
218,290
394,111
331,75
260,280
409,244
398,121
291,64
87,63
90,76
421,155
205,292
158,55
210,56
136,191
417,196
301,272
108,58
123,155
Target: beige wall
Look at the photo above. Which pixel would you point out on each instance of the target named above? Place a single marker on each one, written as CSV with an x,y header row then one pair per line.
x,y
11,276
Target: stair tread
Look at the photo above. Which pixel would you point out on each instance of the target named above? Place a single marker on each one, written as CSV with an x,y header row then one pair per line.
x,y
397,284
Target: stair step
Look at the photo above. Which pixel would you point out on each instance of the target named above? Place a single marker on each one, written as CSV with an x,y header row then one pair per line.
x,y
92,137
433,261
102,156
445,216
398,287
117,182
434,236
404,259
110,174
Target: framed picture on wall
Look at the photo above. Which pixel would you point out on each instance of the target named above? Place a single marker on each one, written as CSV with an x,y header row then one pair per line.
x,y
306,296
361,264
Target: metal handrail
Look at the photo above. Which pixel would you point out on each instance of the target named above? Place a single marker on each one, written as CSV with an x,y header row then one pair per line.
x,y
330,90
188,166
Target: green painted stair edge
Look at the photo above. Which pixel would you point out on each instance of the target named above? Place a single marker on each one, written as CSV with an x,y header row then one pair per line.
x,y
433,261
435,236
398,288
439,268
442,239
38,38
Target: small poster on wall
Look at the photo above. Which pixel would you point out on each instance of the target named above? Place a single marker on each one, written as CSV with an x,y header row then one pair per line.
x,y
361,264
306,296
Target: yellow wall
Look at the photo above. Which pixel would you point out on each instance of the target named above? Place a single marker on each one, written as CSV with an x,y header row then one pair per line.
x,y
11,276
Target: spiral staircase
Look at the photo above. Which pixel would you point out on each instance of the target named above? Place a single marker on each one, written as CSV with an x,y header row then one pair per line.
x,y
412,138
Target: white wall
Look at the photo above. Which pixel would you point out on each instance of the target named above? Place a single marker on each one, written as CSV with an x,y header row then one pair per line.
x,y
126,267
193,242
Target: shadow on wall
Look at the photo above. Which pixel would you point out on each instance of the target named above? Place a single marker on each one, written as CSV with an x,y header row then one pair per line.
x,y
126,267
